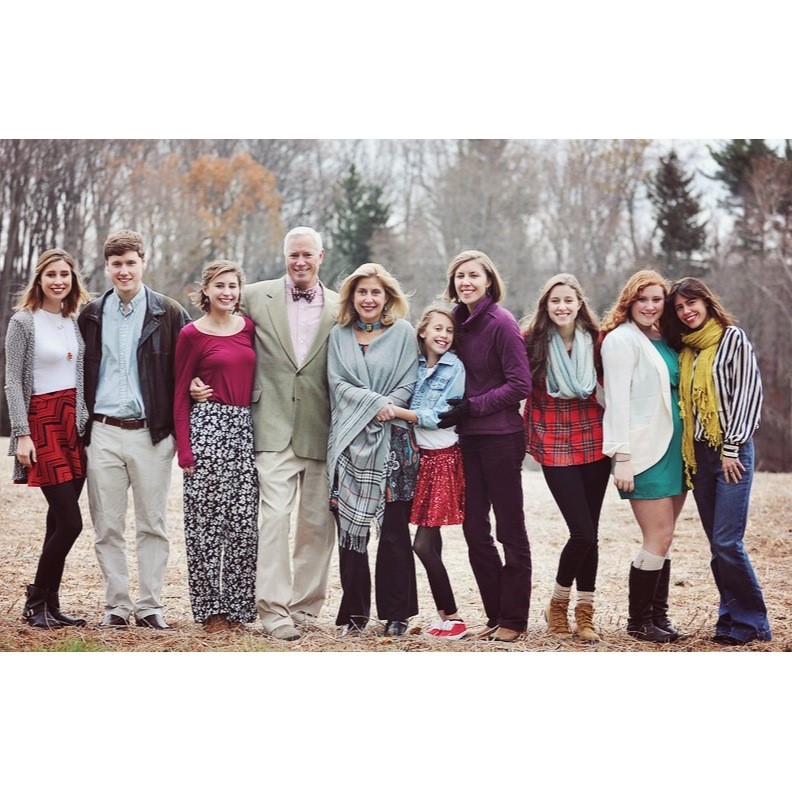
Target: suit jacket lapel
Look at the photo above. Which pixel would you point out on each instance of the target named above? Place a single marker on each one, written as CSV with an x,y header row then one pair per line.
x,y
326,322
276,305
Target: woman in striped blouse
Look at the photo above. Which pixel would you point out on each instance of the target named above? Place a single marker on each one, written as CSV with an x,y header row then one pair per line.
x,y
563,423
721,400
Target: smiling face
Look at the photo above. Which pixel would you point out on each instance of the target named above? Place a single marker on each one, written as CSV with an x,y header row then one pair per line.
x,y
692,311
648,307
438,335
471,283
368,299
223,292
303,259
126,273
563,305
56,281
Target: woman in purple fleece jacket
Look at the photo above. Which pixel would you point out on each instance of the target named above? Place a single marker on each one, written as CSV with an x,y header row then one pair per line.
x,y
492,439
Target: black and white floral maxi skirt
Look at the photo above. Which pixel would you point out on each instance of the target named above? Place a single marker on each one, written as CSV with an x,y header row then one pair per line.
x,y
221,513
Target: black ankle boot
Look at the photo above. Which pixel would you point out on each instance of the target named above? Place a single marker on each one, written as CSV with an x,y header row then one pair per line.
x,y
37,612
643,585
660,604
53,604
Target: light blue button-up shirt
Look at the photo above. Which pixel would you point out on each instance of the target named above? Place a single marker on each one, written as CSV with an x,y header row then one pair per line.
x,y
118,392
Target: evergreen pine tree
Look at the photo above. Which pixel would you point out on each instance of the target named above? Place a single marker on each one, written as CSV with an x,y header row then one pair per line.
x,y
676,211
358,214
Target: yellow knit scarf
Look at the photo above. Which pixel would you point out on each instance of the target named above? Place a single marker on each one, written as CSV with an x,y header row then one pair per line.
x,y
697,395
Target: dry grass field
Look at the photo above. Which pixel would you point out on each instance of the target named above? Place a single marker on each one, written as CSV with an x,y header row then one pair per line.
x,y
693,597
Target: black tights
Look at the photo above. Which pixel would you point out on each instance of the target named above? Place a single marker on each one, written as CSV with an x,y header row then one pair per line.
x,y
428,546
64,523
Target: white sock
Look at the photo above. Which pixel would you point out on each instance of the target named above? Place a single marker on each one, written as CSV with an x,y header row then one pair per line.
x,y
561,592
585,598
647,561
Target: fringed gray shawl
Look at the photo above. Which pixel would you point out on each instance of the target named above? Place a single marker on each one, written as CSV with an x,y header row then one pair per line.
x,y
358,447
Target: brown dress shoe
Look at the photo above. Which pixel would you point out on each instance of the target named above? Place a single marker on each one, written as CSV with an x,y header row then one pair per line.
x,y
505,635
113,620
153,620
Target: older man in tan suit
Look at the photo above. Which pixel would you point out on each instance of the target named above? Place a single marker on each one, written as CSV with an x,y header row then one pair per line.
x,y
291,415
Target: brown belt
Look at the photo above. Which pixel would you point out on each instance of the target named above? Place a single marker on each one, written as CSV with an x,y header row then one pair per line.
x,y
124,423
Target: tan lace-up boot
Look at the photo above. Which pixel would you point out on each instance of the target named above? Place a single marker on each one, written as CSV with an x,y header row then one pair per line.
x,y
556,617
584,622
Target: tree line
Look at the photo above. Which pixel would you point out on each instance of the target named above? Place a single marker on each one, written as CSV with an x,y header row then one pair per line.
x,y
597,208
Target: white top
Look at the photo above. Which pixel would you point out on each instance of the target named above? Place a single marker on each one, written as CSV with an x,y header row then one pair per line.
x,y
53,370
638,419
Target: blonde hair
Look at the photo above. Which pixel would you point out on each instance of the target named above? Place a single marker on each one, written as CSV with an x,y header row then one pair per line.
x,y
396,305
210,272
619,312
423,323
496,289
33,295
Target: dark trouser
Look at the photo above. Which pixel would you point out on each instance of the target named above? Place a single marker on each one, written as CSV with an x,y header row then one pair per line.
x,y
428,546
64,524
493,479
578,491
396,590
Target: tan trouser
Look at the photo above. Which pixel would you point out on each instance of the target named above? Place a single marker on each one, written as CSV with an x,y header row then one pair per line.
x,y
282,476
117,459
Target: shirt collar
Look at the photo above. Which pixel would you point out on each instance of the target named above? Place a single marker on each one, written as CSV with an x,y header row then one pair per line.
x,y
290,285
134,303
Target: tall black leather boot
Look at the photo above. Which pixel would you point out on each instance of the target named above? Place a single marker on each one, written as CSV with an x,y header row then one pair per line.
x,y
643,585
660,604
37,612
53,605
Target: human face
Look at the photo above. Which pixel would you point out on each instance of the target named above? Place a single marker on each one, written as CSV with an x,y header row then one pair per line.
x,y
438,335
126,274
223,292
648,307
369,299
692,311
303,259
56,283
563,305
471,283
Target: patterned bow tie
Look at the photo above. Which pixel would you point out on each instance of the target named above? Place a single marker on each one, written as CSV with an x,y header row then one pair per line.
x,y
307,294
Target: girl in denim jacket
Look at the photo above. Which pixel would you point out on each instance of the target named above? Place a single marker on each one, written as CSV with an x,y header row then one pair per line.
x,y
440,492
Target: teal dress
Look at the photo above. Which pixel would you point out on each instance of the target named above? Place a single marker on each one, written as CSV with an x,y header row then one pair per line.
x,y
666,477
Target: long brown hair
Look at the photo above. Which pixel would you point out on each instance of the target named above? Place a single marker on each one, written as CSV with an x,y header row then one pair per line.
x,y
210,272
496,289
535,329
33,295
690,289
425,319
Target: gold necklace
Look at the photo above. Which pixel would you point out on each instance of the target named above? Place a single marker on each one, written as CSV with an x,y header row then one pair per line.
x,y
58,328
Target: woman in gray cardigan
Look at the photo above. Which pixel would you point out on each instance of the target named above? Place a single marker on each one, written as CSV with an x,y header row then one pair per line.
x,y
44,390
372,457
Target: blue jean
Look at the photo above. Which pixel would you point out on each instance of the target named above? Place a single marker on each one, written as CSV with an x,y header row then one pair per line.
x,y
723,509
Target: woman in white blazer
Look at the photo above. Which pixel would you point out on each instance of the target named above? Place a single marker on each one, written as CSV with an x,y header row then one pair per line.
x,y
642,433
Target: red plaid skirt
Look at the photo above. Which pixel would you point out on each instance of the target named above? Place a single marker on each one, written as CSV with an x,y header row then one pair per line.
x,y
440,492
60,456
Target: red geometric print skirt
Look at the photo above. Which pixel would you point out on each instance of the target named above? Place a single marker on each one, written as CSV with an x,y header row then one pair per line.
x,y
60,455
440,492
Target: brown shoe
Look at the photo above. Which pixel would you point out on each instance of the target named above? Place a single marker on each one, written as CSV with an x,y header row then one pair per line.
x,y
505,635
483,634
216,623
584,622
556,617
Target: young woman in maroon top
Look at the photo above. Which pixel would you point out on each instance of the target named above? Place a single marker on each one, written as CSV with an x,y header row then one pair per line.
x,y
563,422
215,450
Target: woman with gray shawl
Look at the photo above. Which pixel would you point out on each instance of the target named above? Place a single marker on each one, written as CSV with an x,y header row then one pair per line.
x,y
372,459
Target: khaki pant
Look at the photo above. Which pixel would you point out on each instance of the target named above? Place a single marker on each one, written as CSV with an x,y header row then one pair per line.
x,y
117,459
283,477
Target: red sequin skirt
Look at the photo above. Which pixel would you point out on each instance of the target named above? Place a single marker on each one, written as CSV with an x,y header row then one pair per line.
x,y
60,455
440,492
